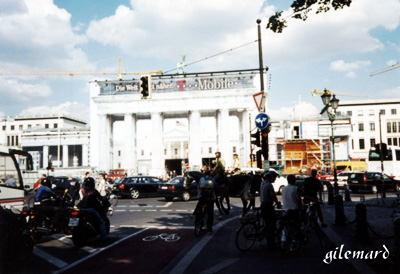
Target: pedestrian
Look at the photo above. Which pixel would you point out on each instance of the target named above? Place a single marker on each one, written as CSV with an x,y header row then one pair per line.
x,y
268,198
312,189
291,201
72,188
236,165
218,171
101,184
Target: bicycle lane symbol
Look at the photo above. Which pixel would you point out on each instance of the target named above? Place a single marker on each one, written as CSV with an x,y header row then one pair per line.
x,y
163,236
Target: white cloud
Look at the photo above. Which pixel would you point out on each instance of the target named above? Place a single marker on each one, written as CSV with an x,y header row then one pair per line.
x,y
348,68
73,109
300,111
20,91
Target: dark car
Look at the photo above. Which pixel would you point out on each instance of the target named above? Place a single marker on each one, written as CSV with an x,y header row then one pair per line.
x,y
137,186
372,181
300,177
60,184
181,187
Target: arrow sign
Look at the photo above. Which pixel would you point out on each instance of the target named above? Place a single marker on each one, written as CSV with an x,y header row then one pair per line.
x,y
258,99
262,120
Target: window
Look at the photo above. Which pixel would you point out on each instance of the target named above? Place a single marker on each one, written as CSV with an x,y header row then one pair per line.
x,y
46,125
16,140
176,151
338,113
371,112
360,127
389,141
119,152
389,127
21,127
55,125
142,152
395,141
12,127
12,140
372,126
360,113
372,142
382,112
361,144
210,150
349,113
29,126
4,127
234,150
393,111
394,126
8,140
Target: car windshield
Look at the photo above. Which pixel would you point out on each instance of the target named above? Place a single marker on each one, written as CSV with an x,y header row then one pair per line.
x,y
174,181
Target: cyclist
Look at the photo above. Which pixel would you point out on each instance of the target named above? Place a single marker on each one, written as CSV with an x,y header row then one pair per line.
x,y
268,198
312,186
291,201
207,199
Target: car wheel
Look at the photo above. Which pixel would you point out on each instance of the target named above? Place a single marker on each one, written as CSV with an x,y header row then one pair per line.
x,y
168,199
134,193
185,196
280,190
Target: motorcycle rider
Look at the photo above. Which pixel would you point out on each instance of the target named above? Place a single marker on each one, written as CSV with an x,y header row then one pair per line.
x,y
94,204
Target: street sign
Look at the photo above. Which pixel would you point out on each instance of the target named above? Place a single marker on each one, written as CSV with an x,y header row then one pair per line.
x,y
262,120
258,99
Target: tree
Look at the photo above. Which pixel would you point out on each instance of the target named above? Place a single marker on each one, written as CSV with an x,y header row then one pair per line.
x,y
301,8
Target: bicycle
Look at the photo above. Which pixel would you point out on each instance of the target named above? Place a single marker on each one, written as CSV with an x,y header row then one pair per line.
x,y
290,237
251,228
200,220
311,220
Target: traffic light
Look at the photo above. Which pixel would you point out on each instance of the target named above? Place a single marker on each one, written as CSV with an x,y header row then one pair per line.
x,y
145,87
259,159
264,142
255,139
384,150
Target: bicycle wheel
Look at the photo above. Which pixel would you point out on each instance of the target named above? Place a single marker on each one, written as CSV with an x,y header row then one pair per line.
x,y
246,236
288,240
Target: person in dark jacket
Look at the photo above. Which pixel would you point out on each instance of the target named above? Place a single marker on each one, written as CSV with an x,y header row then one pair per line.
x,y
93,203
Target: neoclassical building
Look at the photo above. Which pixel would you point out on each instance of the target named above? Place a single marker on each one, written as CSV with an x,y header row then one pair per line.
x,y
189,96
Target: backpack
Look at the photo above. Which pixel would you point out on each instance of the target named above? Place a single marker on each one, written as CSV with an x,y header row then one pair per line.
x,y
207,188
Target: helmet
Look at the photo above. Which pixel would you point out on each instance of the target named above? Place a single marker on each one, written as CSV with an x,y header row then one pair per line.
x,y
89,182
46,182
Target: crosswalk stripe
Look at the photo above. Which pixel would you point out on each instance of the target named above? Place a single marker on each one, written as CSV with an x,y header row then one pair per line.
x,y
51,259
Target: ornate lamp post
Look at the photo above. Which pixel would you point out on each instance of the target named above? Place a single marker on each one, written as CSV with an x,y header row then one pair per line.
x,y
330,107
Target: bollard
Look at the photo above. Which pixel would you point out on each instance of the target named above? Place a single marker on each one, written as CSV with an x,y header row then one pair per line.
x,y
347,197
362,234
330,195
340,218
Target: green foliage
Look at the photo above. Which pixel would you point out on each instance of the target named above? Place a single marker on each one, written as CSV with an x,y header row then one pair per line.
x,y
301,8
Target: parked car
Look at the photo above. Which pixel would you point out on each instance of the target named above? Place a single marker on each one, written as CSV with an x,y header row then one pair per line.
x,y
137,186
184,188
372,181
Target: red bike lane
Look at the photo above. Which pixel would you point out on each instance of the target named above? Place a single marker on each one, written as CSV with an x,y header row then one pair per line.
x,y
146,252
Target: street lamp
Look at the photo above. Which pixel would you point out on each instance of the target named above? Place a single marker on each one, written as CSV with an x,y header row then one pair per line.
x,y
330,106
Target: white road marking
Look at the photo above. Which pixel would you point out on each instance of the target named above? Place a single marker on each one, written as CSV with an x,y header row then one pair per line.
x,y
150,210
166,210
166,205
49,258
135,210
182,210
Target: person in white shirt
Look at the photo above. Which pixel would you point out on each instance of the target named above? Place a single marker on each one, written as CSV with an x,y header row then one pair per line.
x,y
101,185
291,201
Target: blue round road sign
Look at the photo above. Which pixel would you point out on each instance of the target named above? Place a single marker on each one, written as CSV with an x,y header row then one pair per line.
x,y
262,120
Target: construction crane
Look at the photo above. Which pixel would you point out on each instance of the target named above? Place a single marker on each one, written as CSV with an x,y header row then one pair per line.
x,y
316,92
395,66
75,73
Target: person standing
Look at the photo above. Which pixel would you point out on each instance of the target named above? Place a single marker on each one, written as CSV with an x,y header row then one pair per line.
x,y
313,189
101,185
291,201
268,198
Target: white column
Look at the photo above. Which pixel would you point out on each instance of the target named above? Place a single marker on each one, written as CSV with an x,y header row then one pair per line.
x,y
223,136
182,150
65,156
195,140
45,156
157,156
85,155
104,143
244,140
129,152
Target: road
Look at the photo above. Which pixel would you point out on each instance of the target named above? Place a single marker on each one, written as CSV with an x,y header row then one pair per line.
x,y
132,221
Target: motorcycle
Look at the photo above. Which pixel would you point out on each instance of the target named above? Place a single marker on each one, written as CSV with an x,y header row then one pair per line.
x,y
16,246
41,218
85,226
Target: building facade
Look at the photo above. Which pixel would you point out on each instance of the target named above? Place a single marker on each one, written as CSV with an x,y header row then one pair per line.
x,y
193,97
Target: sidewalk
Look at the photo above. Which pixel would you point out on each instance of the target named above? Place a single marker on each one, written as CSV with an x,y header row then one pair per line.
x,y
381,231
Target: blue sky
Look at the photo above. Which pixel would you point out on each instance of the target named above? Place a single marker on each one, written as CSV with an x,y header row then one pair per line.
x,y
337,50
